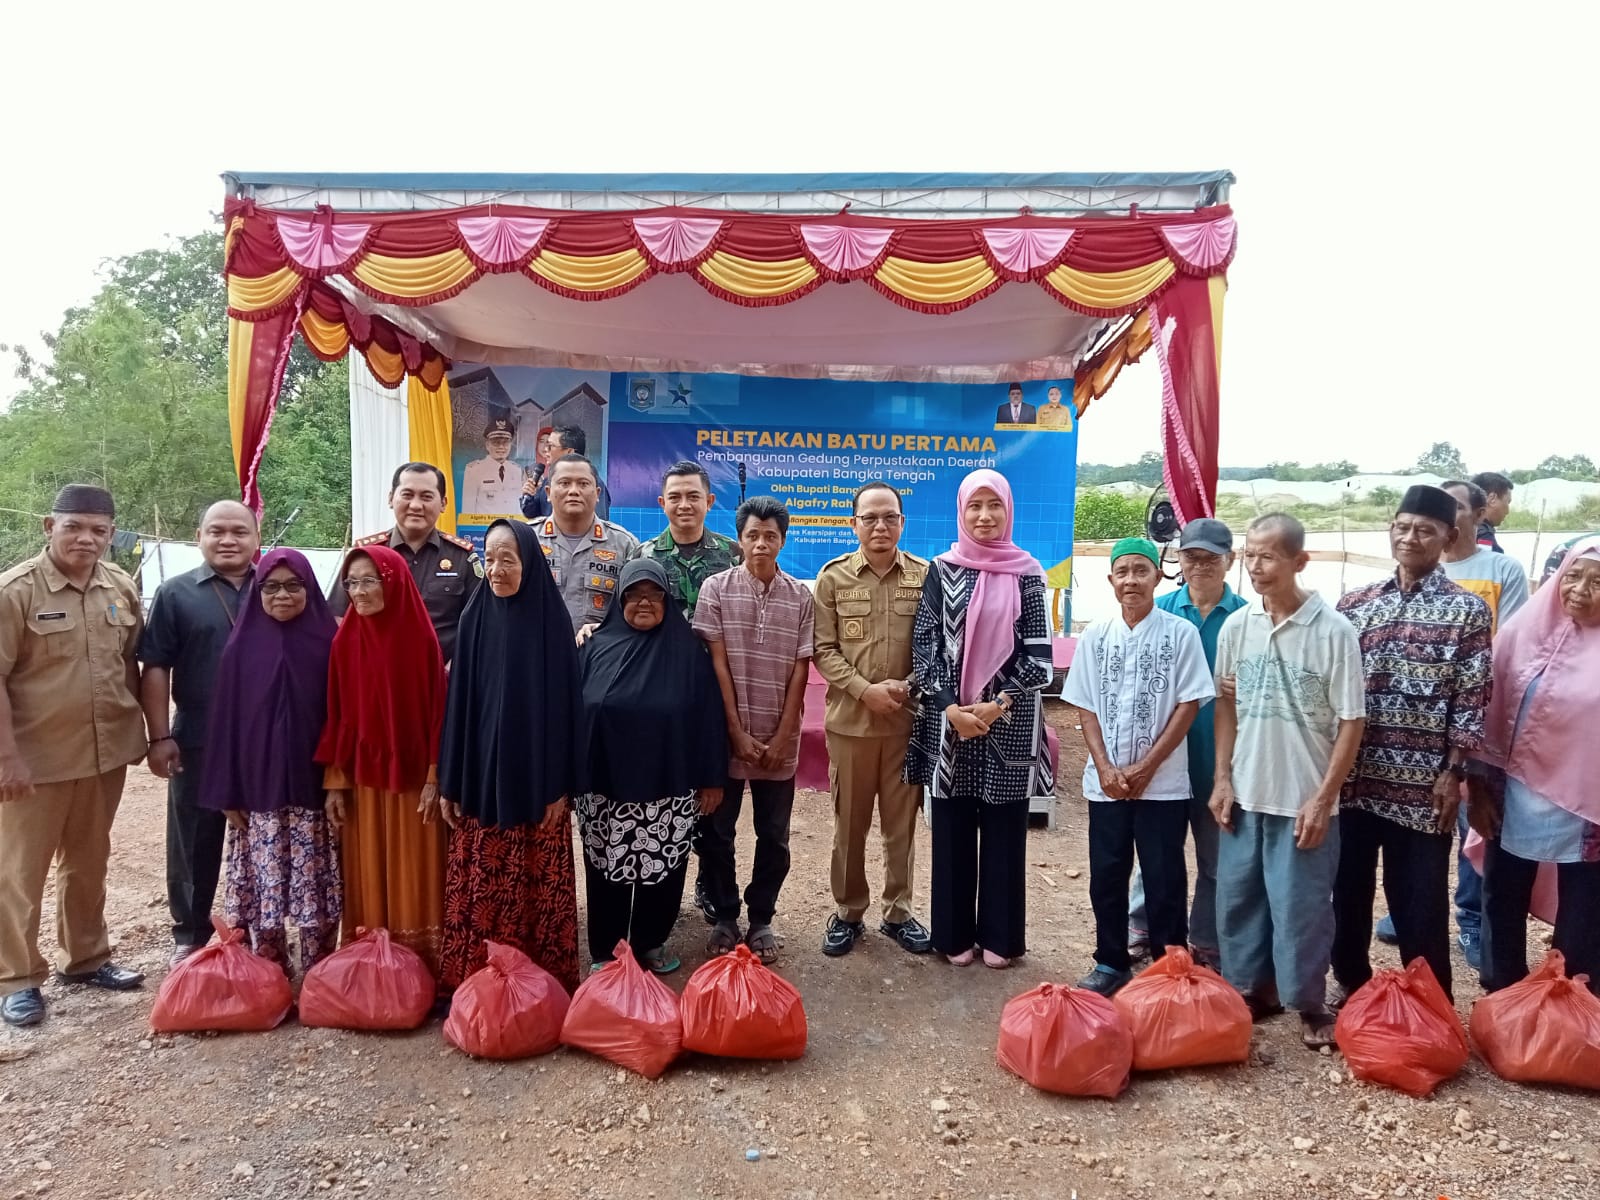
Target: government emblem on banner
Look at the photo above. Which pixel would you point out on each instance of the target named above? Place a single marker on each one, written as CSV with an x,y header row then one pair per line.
x,y
643,395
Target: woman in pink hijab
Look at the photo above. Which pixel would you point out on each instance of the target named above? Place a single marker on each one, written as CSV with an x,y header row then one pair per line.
x,y
980,656
1534,791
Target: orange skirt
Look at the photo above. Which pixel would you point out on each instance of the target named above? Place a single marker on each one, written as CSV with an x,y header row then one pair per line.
x,y
393,868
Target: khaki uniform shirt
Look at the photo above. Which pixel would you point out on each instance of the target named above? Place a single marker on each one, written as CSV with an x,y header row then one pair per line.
x,y
67,664
587,577
447,570
864,636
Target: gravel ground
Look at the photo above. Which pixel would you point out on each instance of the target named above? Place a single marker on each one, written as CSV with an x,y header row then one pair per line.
x,y
898,1094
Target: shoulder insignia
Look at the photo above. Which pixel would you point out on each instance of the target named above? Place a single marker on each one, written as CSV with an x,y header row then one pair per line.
x,y
549,529
20,571
459,542
372,539
599,530
914,559
832,562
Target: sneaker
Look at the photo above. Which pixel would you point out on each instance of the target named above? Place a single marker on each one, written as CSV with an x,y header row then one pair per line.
x,y
841,936
912,935
1385,932
1471,943
1107,981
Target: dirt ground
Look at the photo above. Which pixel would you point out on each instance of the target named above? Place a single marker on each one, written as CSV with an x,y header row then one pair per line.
x,y
898,1094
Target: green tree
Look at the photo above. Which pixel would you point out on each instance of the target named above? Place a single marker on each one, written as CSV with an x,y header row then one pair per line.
x,y
1442,458
1578,466
133,396
1106,516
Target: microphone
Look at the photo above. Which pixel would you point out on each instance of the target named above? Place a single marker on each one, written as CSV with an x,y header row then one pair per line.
x,y
537,474
741,482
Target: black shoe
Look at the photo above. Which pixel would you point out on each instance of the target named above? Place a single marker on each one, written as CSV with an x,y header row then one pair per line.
x,y
703,902
108,976
22,1008
912,935
841,935
1107,981
1338,996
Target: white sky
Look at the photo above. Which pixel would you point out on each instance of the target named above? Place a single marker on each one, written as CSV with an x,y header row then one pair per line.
x,y
1416,183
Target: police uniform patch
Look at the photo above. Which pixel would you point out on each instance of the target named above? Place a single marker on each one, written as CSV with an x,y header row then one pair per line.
x,y
600,581
597,601
477,567
604,555
444,564
913,581
548,551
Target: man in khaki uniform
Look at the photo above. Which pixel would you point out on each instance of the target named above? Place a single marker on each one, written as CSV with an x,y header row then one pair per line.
x,y
866,602
70,724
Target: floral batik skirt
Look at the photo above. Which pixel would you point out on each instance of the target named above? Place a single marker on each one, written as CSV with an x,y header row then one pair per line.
x,y
513,886
284,870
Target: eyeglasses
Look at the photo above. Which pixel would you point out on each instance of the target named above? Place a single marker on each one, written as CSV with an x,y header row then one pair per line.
x,y
879,518
289,587
361,585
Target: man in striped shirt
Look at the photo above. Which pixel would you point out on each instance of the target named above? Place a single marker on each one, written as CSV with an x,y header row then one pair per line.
x,y
1425,651
758,623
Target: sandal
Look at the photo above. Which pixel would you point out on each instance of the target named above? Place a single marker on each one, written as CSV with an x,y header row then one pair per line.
x,y
763,944
964,959
1316,1030
995,962
659,962
723,938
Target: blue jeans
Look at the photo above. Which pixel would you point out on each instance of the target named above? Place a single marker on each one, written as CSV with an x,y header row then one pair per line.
x,y
1469,884
1203,913
1275,909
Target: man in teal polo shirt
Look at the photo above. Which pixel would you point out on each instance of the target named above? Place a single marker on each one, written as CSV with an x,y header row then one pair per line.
x,y
1205,551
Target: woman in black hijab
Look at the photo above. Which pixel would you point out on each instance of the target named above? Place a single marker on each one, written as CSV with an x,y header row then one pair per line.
x,y
506,767
653,756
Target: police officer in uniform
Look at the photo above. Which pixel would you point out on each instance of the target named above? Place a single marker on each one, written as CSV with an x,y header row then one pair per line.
x,y
493,485
866,604
586,554
446,568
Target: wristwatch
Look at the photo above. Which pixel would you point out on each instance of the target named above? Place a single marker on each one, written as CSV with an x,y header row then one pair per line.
x,y
1458,769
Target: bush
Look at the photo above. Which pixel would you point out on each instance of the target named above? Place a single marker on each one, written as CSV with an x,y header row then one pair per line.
x,y
1106,516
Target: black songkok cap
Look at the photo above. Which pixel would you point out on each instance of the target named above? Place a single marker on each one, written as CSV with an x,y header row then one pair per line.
x,y
1425,501
84,498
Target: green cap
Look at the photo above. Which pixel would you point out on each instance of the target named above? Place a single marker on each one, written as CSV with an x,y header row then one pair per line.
x,y
1143,547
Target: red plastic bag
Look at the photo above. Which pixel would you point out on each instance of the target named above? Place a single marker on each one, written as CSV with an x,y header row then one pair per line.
x,y
1400,1030
372,983
511,1008
625,1014
1184,1015
222,986
736,1008
1545,1029
1066,1040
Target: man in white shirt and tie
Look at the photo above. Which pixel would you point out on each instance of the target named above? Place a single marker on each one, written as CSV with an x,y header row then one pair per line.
x,y
491,486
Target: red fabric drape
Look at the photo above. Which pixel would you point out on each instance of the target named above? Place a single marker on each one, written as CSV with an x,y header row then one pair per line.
x,y
269,358
1190,397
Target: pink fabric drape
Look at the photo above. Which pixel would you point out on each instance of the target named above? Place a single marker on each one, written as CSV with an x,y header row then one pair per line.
x,y
1187,352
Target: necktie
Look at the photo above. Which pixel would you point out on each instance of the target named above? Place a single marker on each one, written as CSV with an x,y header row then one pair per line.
x,y
502,472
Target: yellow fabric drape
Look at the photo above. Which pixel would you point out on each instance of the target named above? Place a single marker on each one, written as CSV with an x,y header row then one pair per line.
x,y
432,440
1113,289
1059,576
936,283
387,368
746,277
590,274
241,337
414,278
254,293
1219,288
328,338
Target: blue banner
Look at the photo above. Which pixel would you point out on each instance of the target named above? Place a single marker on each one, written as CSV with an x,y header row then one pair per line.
x,y
809,443
812,443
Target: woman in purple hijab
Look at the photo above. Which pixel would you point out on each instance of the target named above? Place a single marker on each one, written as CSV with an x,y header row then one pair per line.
x,y
267,710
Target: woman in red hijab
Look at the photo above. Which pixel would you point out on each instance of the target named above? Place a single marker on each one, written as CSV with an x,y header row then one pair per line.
x,y
386,688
